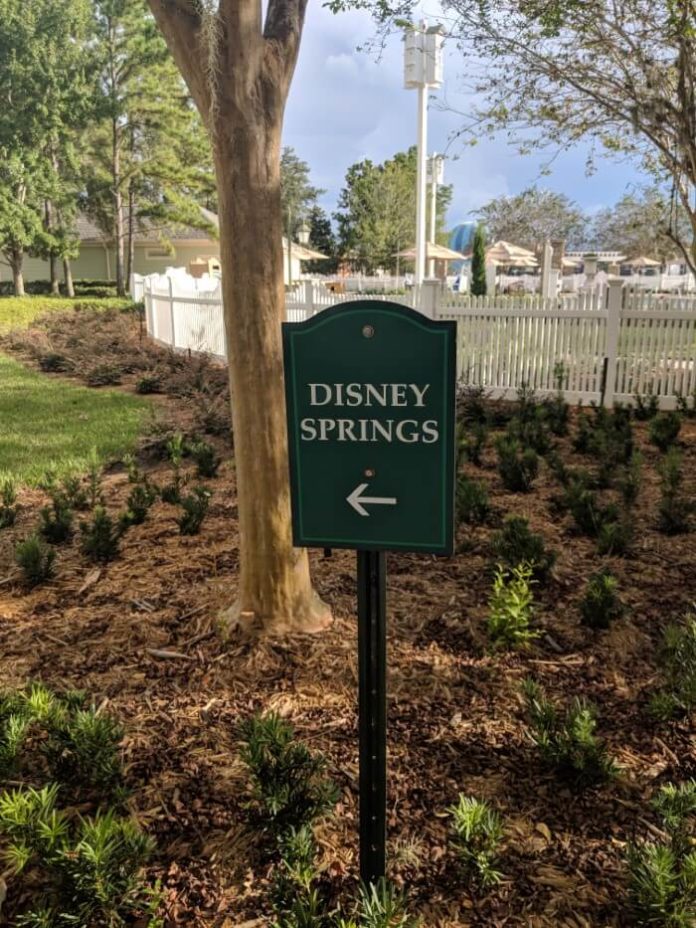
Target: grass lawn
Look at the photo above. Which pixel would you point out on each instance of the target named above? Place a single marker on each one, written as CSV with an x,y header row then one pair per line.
x,y
19,312
47,422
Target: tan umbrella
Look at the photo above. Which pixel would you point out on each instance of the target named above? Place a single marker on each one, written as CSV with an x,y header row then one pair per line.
x,y
508,255
642,261
571,262
432,253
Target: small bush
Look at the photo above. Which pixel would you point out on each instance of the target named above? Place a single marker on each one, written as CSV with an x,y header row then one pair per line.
x,y
511,608
288,780
56,520
517,544
601,603
54,363
632,479
171,493
473,506
477,834
206,458
195,507
103,375
100,537
74,493
8,500
138,504
517,466
675,510
148,383
473,405
584,506
615,539
662,873
36,560
646,407
83,748
664,429
94,476
472,442
567,741
677,661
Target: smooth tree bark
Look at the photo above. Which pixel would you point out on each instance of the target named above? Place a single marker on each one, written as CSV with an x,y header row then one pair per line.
x,y
68,278
238,69
15,256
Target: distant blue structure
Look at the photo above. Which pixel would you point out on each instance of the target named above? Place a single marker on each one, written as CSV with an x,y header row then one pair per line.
x,y
461,239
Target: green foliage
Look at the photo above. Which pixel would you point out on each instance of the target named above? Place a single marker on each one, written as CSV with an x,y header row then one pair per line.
x,y
52,362
100,537
632,479
583,504
555,410
94,476
195,507
511,608
175,450
8,499
56,519
677,660
472,442
518,466
608,436
601,604
662,873
103,375
615,538
380,906
664,429
517,544
74,493
674,510
477,833
288,780
83,748
473,506
138,504
646,407
479,285
567,741
206,458
36,560
148,383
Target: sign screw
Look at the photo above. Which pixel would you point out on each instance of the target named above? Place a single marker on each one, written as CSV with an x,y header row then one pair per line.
x,y
370,472
368,331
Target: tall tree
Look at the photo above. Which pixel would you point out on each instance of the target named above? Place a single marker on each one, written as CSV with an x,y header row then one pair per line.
x,y
148,156
238,65
533,216
376,213
479,284
322,239
297,196
621,72
42,102
639,224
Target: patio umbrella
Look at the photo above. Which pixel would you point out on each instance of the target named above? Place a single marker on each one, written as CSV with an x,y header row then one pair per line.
x,y
432,253
642,261
508,255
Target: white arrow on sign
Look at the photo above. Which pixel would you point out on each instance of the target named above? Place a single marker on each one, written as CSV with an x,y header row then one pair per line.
x,y
358,501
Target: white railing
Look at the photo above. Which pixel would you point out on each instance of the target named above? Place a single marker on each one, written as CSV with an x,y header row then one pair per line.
x,y
613,343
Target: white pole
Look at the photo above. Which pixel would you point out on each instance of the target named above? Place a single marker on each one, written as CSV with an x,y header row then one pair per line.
x,y
421,184
433,216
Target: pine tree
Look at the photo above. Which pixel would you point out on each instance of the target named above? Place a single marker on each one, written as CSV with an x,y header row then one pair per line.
x,y
478,263
322,239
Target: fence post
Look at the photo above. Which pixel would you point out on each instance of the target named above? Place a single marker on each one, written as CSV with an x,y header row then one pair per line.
x,y
426,298
615,292
171,309
308,297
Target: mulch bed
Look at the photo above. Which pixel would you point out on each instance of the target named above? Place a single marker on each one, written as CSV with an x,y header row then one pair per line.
x,y
455,719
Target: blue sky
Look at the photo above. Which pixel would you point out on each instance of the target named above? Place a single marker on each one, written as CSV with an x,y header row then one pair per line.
x,y
345,106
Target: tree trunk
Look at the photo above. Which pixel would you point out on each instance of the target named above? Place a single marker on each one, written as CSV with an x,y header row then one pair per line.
x,y
130,251
52,257
118,208
16,258
275,592
67,275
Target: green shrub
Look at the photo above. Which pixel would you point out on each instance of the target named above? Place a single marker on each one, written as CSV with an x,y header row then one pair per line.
x,y
662,873
288,780
677,662
583,434
632,479
601,603
54,363
148,383
175,451
675,510
584,506
56,520
517,544
36,560
138,504
100,537
473,506
646,407
511,608
103,375
206,458
615,538
74,493
82,748
473,405
472,442
195,507
295,896
94,477
8,500
518,466
477,833
567,741
664,429
90,868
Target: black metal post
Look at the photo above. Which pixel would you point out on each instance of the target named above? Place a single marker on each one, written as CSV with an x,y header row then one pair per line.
x,y
372,675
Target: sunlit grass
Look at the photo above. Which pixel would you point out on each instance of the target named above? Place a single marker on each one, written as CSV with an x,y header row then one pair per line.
x,y
18,313
49,423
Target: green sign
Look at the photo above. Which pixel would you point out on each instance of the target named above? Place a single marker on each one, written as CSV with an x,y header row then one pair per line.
x,y
370,389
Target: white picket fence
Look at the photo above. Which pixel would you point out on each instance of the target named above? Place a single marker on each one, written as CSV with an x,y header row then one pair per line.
x,y
612,343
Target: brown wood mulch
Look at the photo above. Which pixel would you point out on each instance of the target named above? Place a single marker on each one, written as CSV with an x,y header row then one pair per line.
x,y
455,720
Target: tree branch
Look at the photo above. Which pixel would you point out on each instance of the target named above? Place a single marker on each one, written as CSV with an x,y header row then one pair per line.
x,y
282,32
180,22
